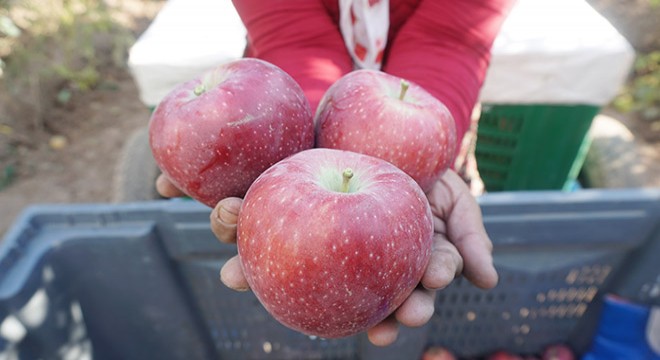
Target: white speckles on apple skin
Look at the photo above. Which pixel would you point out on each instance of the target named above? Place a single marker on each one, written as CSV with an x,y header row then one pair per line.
x,y
352,273
361,113
215,145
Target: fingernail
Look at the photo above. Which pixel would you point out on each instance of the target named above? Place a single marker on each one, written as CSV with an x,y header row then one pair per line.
x,y
226,216
235,288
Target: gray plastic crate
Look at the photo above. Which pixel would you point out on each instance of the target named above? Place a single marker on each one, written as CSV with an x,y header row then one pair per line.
x,y
140,281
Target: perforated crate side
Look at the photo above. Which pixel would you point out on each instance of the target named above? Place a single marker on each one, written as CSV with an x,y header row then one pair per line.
x,y
556,256
130,281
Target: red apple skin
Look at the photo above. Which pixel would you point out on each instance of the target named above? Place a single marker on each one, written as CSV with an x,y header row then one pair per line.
x,y
249,115
558,352
438,353
503,355
362,112
329,263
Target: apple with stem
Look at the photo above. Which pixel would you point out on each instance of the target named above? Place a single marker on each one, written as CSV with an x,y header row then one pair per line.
x,y
212,136
332,242
385,116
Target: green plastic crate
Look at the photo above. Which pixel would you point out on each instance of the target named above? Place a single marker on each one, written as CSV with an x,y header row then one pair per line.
x,y
532,146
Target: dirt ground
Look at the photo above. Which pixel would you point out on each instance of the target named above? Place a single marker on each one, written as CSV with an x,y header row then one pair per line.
x,y
95,127
73,158
82,171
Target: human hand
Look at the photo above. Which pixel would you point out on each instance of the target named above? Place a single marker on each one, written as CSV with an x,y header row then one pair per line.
x,y
224,218
166,188
461,246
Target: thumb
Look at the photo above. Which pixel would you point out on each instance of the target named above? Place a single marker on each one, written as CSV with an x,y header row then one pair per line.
x,y
224,218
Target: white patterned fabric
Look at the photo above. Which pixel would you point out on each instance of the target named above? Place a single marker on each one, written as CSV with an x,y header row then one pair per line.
x,y
364,25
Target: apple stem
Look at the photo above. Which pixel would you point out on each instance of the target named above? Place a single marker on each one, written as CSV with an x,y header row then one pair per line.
x,y
199,90
404,88
347,175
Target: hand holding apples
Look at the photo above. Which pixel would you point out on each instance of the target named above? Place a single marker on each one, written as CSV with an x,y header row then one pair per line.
x,y
459,234
460,245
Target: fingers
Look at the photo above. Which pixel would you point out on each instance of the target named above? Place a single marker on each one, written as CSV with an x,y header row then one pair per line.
x,y
444,265
478,264
418,309
452,202
224,218
223,224
166,188
460,245
232,275
384,333
466,229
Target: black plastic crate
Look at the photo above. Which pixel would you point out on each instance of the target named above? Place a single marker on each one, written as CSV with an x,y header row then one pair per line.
x,y
140,281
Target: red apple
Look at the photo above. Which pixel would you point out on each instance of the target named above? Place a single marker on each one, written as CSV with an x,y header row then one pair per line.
x,y
503,355
438,353
212,136
558,352
381,115
332,242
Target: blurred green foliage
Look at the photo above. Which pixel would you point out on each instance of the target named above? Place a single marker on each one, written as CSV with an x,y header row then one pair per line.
x,y
62,42
642,93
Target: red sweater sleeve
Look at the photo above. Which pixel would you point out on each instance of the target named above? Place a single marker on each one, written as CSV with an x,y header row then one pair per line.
x,y
445,47
300,37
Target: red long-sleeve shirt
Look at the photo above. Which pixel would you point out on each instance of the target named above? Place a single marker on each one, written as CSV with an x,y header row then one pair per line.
x,y
442,45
